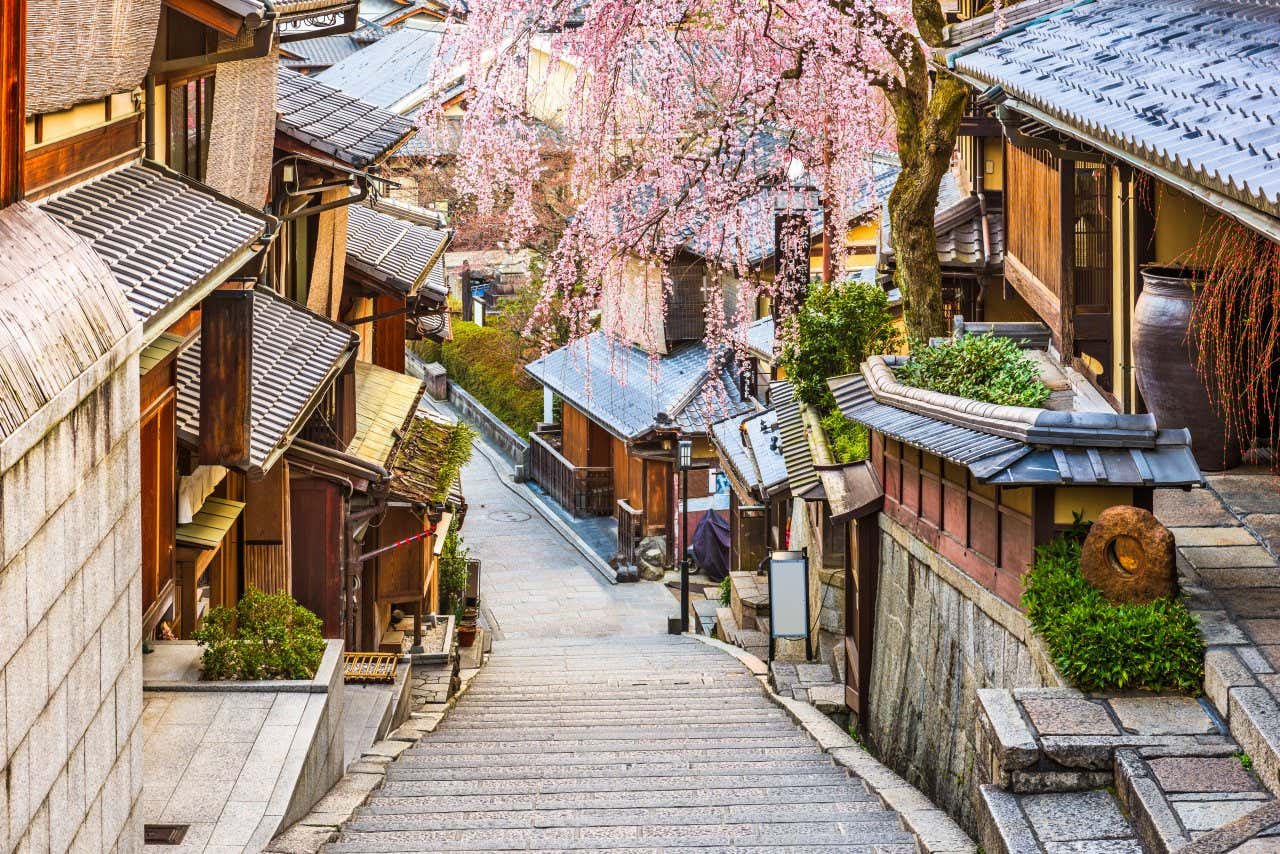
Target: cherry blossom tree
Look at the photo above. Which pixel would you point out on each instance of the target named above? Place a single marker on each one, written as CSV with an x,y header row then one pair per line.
x,y
690,120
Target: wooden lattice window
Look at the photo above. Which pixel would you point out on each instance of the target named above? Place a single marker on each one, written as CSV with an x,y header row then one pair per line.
x,y
190,119
1091,225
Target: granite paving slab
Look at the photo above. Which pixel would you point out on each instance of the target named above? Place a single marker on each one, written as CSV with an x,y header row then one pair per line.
x,y
1069,717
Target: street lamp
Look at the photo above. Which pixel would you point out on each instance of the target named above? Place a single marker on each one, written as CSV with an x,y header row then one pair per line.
x,y
686,461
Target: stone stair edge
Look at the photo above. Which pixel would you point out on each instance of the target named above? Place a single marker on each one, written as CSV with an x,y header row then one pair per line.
x,y
935,832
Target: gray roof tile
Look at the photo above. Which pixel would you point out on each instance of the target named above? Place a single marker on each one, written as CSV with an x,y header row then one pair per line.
x,y
760,337
615,384
393,68
349,130
1187,85
296,353
1002,460
796,453
391,245
161,234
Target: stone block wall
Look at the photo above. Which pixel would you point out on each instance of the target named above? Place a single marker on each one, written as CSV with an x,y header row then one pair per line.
x,y
940,637
70,621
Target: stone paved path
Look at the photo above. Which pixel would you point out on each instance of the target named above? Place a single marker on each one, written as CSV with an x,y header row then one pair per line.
x,y
535,584
591,729
650,743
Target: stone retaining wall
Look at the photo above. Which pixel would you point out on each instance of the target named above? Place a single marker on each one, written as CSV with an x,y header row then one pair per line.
x,y
940,637
70,622
494,429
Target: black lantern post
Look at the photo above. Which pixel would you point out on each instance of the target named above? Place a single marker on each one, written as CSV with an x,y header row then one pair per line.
x,y
686,461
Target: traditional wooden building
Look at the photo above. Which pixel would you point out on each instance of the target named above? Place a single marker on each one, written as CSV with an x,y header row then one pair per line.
x,y
1092,124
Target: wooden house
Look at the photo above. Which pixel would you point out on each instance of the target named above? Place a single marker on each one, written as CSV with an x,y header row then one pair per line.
x,y
1102,166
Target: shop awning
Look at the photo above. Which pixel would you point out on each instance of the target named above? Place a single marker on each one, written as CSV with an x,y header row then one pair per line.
x,y
210,524
418,469
157,351
385,404
852,490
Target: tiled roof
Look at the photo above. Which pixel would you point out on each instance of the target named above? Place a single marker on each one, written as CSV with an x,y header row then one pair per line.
x,y
395,247
1166,461
322,51
615,384
751,445
296,355
1187,85
165,238
345,128
712,403
390,70
385,401
959,232
796,453
760,335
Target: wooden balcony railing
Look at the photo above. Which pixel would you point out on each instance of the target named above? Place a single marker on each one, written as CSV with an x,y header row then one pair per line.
x,y
582,490
630,531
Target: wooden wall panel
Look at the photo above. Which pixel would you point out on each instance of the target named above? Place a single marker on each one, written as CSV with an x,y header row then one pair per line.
x,y
266,567
575,436
226,328
657,499
1033,214
388,335
316,507
402,571
158,446
48,168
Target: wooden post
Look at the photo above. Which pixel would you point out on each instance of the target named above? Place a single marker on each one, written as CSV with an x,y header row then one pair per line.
x,y
12,98
1067,261
226,377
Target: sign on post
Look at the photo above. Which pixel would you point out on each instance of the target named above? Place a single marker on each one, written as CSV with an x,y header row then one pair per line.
x,y
789,597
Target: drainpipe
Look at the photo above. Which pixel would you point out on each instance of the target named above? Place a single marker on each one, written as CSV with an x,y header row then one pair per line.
x,y
1126,287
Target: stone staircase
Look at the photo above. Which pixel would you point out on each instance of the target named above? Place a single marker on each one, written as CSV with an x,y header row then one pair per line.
x,y
654,743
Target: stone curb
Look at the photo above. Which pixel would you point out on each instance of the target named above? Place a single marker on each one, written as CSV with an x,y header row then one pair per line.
x,y
935,831
320,826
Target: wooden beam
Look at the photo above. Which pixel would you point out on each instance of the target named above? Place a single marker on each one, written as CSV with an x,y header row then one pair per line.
x,y
1034,292
51,167
226,377
1067,236
210,15
12,98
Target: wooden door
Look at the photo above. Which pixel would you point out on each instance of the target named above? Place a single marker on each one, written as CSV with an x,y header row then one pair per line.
x,y
316,511
157,431
862,568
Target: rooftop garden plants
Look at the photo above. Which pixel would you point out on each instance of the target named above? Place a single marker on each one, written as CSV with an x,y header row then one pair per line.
x,y
266,636
839,325
979,367
1098,645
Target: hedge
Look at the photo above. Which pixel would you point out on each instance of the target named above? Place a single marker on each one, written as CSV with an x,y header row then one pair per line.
x,y
1100,646
484,360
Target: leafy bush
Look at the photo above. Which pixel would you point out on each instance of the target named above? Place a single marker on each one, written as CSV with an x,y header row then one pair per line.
x,y
266,636
838,327
850,441
980,367
453,571
1098,645
485,360
726,592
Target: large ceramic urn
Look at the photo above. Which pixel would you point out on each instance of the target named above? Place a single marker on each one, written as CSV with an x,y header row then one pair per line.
x,y
1164,362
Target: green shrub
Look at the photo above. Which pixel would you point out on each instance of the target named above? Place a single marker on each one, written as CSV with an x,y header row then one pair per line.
x,y
980,367
453,571
726,592
266,636
849,440
838,327
1101,646
485,360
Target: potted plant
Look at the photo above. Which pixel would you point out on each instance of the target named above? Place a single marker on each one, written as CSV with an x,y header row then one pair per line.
x,y
465,620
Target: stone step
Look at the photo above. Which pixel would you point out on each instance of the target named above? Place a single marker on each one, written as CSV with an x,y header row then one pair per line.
x,y
469,847
846,811
425,755
420,783
527,745
634,836
552,717
412,781
427,770
645,729
641,733
422,798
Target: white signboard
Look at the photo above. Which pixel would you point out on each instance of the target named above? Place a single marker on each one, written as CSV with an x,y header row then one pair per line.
x,y
789,595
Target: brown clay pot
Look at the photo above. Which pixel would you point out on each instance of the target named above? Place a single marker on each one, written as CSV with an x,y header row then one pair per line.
x,y
1165,368
466,635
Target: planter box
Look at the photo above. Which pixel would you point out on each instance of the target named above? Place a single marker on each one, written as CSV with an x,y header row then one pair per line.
x,y
175,666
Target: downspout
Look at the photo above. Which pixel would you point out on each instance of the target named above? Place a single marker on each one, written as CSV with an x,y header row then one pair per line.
x,y
1126,286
